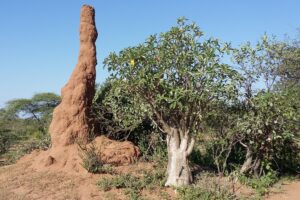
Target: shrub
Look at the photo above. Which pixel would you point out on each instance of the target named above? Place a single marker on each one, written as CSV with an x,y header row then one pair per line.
x,y
153,147
91,160
133,185
206,187
194,192
120,181
19,147
5,141
43,144
260,184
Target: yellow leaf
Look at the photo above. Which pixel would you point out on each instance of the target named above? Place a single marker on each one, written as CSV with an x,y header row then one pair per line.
x,y
132,62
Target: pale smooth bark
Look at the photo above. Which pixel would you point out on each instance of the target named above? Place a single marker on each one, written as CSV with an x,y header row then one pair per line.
x,y
180,146
248,162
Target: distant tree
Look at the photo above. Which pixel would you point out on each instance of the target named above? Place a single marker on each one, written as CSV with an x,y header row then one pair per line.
x,y
173,77
38,109
289,69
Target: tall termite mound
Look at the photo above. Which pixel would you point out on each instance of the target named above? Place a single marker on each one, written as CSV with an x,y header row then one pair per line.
x,y
71,118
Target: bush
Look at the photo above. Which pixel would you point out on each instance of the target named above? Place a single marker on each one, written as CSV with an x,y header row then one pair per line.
x,y
207,186
91,160
287,160
260,184
43,144
153,147
194,192
19,147
6,139
133,185
120,181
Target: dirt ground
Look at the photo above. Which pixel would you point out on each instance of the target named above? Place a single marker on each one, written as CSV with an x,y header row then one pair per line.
x,y
20,181
288,191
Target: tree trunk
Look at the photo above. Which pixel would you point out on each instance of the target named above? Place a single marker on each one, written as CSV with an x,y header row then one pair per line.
x,y
178,170
256,167
248,162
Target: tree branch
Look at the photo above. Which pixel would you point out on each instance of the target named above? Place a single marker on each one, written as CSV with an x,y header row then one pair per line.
x,y
190,147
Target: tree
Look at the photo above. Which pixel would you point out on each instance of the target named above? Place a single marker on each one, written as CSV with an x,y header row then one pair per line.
x,y
267,130
220,139
21,119
289,69
175,76
268,121
38,109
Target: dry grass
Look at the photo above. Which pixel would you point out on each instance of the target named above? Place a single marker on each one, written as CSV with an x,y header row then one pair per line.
x,y
20,181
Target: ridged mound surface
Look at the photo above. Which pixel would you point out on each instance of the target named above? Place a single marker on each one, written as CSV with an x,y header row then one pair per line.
x,y
71,118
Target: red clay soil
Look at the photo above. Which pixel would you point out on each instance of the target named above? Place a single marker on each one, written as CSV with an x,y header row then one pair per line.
x,y
114,152
21,181
71,118
67,159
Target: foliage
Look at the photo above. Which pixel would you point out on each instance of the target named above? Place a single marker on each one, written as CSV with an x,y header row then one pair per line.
x,y
174,77
91,160
174,74
6,139
7,135
24,124
260,184
38,109
289,69
206,187
220,128
153,147
194,192
133,185
121,181
289,73
268,120
21,147
116,114
116,118
268,126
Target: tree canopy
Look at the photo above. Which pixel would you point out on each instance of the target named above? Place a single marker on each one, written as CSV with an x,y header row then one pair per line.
x,y
174,77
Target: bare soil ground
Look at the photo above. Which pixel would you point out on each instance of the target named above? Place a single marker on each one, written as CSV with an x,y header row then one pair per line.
x,y
287,191
21,181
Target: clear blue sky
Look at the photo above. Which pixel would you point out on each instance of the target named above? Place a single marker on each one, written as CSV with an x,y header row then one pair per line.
x,y
39,39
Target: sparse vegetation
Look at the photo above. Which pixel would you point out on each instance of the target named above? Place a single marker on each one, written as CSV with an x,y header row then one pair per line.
x,y
91,160
260,184
133,185
198,192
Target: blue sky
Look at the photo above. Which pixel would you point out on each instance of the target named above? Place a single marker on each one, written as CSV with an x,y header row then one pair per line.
x,y
39,39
